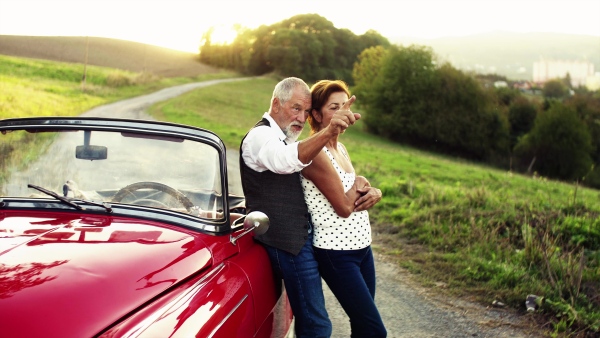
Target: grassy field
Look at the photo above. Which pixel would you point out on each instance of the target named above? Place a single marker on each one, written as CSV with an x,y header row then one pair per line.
x,y
32,87
481,232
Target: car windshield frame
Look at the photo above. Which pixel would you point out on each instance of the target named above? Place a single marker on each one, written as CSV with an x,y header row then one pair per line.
x,y
142,129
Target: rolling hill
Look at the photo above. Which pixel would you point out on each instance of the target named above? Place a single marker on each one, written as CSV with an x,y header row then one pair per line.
x,y
503,53
114,53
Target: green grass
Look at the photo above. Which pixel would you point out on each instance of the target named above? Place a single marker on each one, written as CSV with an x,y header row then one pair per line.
x,y
31,87
484,232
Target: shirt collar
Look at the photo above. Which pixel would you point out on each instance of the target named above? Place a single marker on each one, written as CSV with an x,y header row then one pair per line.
x,y
275,127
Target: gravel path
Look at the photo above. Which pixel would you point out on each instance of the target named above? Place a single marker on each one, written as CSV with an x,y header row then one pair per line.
x,y
410,310
407,309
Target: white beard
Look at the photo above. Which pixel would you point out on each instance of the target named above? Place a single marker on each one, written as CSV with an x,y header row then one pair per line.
x,y
292,136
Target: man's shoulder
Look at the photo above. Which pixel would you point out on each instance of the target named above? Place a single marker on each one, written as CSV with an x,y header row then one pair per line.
x,y
259,134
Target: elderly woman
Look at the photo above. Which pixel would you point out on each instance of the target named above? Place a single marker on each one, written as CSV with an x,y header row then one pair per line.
x,y
338,201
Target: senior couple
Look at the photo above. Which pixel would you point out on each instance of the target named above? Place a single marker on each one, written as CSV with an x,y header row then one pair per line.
x,y
316,204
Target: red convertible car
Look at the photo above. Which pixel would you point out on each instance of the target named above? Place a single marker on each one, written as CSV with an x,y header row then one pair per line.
x,y
125,228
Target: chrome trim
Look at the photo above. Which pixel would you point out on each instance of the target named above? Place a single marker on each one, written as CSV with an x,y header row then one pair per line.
x,y
227,317
141,327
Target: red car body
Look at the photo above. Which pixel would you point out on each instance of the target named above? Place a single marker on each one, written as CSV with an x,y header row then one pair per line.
x,y
112,268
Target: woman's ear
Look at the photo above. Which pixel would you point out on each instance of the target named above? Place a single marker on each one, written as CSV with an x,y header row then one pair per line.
x,y
317,115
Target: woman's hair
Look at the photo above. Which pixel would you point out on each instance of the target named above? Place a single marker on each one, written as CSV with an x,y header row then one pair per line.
x,y
320,93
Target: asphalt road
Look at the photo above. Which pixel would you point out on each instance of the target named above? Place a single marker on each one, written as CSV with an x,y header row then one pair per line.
x,y
407,309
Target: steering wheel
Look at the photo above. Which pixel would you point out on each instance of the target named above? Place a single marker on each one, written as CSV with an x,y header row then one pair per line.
x,y
128,190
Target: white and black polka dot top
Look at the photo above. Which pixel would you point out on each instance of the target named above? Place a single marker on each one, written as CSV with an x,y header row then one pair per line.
x,y
330,230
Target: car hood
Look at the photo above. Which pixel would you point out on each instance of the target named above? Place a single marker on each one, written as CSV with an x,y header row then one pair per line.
x,y
72,276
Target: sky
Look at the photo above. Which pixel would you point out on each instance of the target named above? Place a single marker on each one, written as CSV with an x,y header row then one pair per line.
x,y
179,24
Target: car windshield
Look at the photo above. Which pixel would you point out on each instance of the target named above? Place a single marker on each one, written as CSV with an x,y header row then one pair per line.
x,y
119,167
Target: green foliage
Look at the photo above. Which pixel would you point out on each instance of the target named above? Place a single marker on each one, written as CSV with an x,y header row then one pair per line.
x,y
560,143
47,88
555,89
213,108
521,116
587,106
399,103
580,231
506,96
294,51
410,99
306,46
365,73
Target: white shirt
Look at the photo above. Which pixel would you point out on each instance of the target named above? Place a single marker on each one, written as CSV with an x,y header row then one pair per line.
x,y
330,230
264,149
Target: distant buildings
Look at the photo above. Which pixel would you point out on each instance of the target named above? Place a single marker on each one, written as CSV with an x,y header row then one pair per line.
x,y
593,82
579,71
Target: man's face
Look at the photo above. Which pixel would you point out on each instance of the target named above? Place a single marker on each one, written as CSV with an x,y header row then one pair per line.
x,y
291,115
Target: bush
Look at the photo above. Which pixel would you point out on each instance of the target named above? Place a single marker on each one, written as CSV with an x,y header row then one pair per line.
x,y
555,89
521,116
560,143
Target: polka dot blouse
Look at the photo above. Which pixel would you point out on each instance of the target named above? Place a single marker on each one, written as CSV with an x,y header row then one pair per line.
x,y
330,230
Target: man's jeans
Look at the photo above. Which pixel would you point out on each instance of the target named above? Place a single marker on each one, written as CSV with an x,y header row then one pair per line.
x,y
305,292
350,274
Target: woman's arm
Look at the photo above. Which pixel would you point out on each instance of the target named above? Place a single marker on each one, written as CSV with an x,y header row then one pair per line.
x,y
368,196
322,173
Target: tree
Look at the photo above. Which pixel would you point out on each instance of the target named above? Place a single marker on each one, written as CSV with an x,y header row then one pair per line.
x,y
560,143
295,52
521,116
258,60
506,95
372,38
465,119
587,106
555,89
410,99
365,73
306,46
399,100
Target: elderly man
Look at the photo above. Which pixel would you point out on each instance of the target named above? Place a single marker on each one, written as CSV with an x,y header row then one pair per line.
x,y
270,162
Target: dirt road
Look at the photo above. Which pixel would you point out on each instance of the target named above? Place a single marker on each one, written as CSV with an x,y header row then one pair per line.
x,y
408,310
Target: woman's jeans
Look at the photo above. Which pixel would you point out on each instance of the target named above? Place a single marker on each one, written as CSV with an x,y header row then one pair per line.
x,y
350,274
304,289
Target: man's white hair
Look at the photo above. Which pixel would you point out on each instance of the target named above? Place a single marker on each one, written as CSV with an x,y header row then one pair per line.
x,y
285,88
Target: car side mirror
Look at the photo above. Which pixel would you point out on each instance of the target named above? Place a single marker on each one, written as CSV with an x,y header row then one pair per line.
x,y
256,221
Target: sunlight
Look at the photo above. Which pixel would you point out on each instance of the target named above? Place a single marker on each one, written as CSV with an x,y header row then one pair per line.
x,y
180,26
223,35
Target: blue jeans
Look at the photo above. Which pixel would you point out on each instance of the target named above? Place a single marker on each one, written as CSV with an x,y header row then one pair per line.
x,y
303,285
350,274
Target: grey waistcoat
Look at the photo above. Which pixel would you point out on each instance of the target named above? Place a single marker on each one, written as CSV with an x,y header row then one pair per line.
x,y
281,198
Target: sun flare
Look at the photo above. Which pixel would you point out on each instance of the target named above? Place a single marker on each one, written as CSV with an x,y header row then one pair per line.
x,y
223,35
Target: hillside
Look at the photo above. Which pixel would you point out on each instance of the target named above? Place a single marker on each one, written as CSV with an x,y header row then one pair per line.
x,y
510,54
121,54
504,53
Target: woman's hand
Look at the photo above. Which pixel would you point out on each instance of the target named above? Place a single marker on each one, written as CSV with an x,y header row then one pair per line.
x,y
343,118
369,195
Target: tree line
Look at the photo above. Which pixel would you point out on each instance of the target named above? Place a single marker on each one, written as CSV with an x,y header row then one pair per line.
x,y
410,96
307,46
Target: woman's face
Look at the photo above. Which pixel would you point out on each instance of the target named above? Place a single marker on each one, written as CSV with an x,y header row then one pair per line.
x,y
333,104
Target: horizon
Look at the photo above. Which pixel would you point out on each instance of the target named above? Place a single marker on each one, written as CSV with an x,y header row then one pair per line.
x,y
179,24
